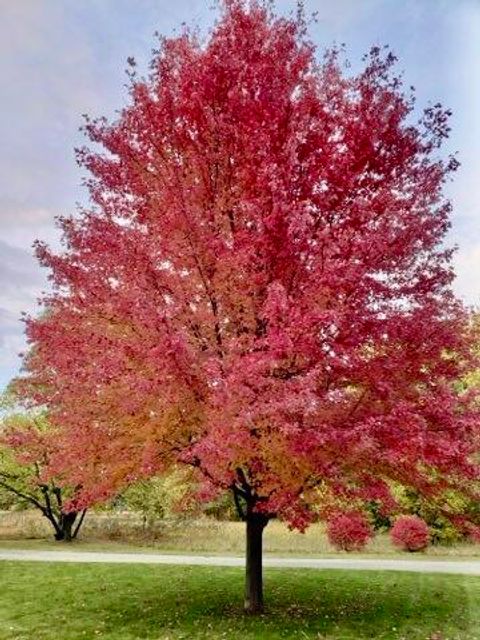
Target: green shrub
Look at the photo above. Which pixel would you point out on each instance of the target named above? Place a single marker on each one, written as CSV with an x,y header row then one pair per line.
x,y
379,520
154,498
223,508
432,511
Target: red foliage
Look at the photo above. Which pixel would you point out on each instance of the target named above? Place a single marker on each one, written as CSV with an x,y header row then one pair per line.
x,y
349,531
260,287
472,531
32,444
410,533
475,535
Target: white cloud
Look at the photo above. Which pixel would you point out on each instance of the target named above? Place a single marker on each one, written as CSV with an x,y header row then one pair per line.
x,y
467,268
21,227
21,281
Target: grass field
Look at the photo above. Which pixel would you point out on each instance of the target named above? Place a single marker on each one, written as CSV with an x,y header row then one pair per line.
x,y
69,602
27,530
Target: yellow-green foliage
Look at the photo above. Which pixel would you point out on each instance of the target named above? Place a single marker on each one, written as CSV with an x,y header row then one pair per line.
x,y
156,498
472,379
432,510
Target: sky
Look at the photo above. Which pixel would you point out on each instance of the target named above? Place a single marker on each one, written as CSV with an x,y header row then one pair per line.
x,y
62,58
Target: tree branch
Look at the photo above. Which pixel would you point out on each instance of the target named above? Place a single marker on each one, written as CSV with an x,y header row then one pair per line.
x,y
24,496
79,524
236,497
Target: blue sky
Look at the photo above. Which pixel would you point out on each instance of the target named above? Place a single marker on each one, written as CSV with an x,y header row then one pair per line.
x,y
62,58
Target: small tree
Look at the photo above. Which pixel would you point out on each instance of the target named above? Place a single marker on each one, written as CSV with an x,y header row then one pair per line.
x,y
260,289
156,498
27,447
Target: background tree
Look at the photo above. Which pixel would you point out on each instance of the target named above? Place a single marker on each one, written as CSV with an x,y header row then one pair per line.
x,y
260,288
156,498
27,447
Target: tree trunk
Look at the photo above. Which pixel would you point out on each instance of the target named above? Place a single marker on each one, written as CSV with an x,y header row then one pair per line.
x,y
66,523
256,523
79,523
68,520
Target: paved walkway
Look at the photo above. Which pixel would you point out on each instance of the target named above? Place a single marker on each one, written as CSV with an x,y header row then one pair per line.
x,y
465,567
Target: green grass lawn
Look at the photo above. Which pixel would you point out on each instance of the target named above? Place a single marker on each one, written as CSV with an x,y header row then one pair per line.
x,y
116,602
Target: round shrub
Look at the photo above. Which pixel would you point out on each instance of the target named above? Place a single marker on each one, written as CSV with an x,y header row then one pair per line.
x,y
349,531
473,533
410,533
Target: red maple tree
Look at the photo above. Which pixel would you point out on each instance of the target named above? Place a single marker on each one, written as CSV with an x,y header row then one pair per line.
x,y
27,448
259,288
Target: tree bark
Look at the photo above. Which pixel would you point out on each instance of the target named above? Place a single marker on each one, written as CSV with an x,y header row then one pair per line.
x,y
66,522
256,523
78,526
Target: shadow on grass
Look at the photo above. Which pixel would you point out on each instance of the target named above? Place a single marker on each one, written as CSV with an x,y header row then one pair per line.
x,y
133,602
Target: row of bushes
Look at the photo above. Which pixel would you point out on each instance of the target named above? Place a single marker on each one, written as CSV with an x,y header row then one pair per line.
x,y
423,522
352,531
154,501
443,529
